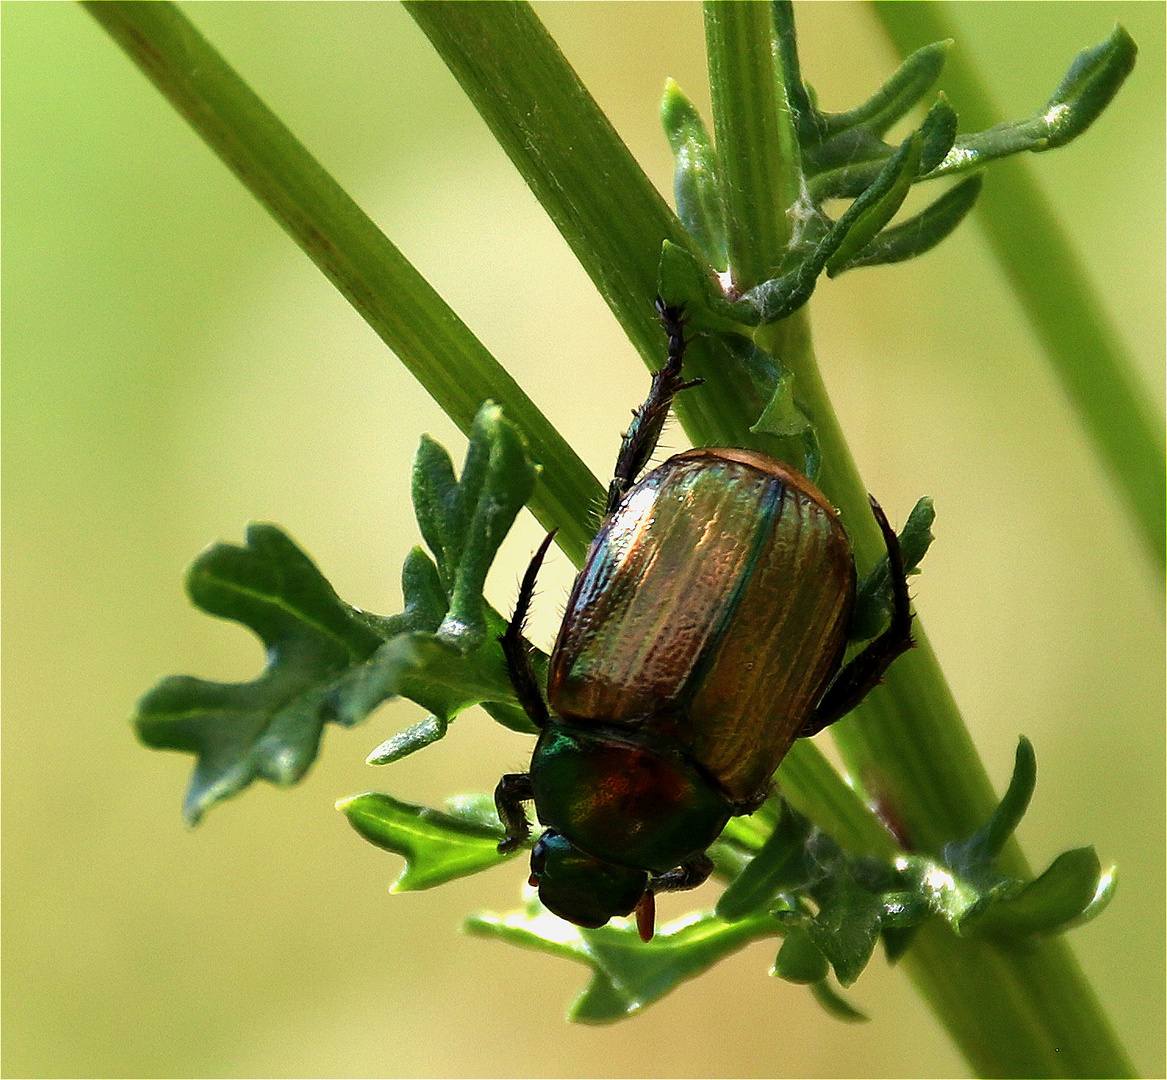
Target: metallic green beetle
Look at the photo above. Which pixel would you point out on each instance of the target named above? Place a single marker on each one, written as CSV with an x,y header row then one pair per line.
x,y
704,634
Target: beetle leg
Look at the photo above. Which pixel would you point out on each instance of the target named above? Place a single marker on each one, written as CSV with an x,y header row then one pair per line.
x,y
515,648
691,873
647,421
513,790
852,684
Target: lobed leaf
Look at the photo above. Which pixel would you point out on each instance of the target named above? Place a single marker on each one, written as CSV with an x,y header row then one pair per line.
x,y
873,594
328,661
270,727
437,847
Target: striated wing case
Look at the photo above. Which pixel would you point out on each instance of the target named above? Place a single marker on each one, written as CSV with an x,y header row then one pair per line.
x,y
712,609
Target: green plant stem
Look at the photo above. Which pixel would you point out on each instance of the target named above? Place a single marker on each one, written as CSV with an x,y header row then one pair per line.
x,y
565,148
1095,368
758,150
1011,1013
585,178
392,297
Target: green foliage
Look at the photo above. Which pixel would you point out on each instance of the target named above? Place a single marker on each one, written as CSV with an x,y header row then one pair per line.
x,y
329,661
843,156
786,878
437,847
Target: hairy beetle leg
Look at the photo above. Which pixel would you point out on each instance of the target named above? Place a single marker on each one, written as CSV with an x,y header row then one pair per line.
x,y
648,420
852,684
513,790
691,873
515,648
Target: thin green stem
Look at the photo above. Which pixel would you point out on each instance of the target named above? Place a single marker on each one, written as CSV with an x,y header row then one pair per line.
x,y
566,150
1095,367
392,297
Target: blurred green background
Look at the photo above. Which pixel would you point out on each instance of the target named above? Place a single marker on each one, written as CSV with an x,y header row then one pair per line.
x,y
174,367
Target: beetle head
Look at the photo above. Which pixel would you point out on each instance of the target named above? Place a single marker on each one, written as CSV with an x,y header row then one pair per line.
x,y
579,888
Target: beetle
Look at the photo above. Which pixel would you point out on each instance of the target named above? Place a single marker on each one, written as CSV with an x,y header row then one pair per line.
x,y
704,634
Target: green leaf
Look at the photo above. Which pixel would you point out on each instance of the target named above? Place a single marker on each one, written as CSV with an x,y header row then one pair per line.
x,y
1093,79
937,134
465,521
696,180
881,209
329,661
437,847
922,231
800,960
627,974
1060,898
413,738
847,925
898,96
780,297
268,728
782,416
779,863
835,1004
980,849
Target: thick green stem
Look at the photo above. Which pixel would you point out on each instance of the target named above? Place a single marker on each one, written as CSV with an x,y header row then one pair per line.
x,y
1013,1012
758,150
392,297
1096,370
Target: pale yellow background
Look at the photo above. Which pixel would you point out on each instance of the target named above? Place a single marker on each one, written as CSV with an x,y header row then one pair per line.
x,y
175,367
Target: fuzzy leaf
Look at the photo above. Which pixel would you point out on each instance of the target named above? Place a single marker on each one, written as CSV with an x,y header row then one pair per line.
x,y
779,297
923,231
437,847
898,96
1092,81
881,209
847,163
937,135
696,181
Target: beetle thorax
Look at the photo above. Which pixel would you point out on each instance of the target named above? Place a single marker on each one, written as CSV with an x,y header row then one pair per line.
x,y
622,800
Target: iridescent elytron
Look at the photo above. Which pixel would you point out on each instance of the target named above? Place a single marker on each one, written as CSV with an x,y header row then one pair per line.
x,y
704,634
